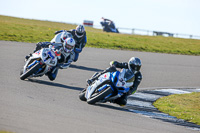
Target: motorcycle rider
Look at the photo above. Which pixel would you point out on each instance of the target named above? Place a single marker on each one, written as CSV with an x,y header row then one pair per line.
x,y
131,73
64,50
79,35
108,25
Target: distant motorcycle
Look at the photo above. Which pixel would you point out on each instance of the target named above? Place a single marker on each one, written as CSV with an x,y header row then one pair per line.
x,y
106,88
41,62
109,26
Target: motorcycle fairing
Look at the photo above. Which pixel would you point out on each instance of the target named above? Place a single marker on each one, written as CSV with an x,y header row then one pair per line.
x,y
45,55
90,90
116,83
48,57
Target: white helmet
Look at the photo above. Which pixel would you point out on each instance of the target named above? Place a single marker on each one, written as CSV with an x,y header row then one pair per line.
x,y
68,45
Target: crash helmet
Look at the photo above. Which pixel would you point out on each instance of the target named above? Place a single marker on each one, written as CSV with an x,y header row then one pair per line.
x,y
134,64
68,45
79,31
65,35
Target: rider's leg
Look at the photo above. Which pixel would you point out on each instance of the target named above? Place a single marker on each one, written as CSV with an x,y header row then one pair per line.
x,y
76,56
121,101
53,73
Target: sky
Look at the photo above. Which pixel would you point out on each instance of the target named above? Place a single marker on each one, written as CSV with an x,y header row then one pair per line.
x,y
174,16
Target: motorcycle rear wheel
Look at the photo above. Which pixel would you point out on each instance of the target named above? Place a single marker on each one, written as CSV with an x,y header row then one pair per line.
x,y
99,96
30,71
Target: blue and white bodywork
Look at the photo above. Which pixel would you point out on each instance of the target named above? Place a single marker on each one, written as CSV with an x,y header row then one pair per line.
x,y
39,63
111,85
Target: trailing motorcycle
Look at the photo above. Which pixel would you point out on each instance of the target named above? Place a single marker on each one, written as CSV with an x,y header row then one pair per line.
x,y
108,87
39,63
60,36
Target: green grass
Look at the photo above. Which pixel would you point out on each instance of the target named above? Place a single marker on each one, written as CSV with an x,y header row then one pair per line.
x,y
182,106
5,132
33,31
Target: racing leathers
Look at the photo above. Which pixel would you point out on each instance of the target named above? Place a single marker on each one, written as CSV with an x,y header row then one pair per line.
x,y
64,60
133,79
108,25
80,42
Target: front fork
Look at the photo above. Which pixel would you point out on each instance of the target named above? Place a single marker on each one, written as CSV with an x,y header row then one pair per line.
x,y
35,62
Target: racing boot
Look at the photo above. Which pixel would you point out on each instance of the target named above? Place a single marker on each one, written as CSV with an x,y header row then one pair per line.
x,y
121,101
76,57
52,74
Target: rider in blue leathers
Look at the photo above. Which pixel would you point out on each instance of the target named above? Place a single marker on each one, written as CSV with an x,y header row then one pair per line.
x,y
108,25
79,35
132,74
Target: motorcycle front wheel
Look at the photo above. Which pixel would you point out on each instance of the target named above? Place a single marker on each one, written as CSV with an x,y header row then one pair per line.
x,y
30,71
97,96
82,95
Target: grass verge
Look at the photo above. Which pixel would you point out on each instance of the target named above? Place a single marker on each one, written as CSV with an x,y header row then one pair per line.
x,y
5,132
182,106
33,31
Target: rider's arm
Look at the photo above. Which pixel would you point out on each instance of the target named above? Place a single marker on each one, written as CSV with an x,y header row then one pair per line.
x,y
81,45
41,45
105,19
138,79
59,31
72,31
67,63
57,45
119,65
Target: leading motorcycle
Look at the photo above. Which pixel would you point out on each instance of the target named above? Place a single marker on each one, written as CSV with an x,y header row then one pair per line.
x,y
108,87
39,63
108,27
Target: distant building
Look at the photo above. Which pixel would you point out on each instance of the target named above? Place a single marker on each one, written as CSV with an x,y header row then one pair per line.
x,y
88,23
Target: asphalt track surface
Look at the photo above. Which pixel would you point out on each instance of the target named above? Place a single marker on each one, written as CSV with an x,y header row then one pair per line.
x,y
43,106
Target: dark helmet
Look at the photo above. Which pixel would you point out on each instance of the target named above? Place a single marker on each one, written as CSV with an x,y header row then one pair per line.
x,y
134,64
80,30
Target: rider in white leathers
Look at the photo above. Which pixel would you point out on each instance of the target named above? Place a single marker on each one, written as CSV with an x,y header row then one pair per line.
x,y
65,52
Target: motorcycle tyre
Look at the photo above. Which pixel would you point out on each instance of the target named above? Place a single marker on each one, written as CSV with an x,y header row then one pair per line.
x,y
30,71
117,31
99,96
82,95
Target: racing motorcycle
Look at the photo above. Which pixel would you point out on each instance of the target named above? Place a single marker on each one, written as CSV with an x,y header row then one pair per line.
x,y
108,87
60,36
41,62
108,27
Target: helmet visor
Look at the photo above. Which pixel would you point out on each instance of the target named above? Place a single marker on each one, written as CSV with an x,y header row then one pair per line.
x,y
79,34
135,67
68,48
